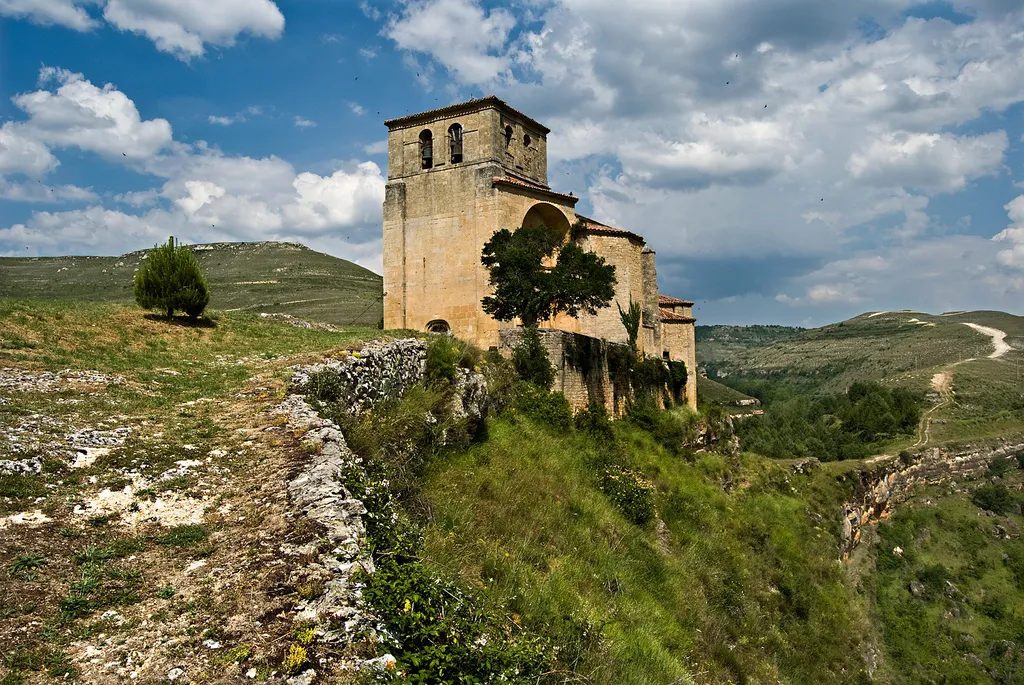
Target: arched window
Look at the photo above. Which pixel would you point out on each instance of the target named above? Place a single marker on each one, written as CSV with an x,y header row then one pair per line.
x,y
526,140
455,142
426,149
438,326
508,137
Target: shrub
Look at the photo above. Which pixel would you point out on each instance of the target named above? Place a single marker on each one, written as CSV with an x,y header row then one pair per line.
x,y
324,386
550,409
630,319
446,354
183,536
594,421
677,376
169,280
999,466
650,376
294,660
994,498
630,492
531,360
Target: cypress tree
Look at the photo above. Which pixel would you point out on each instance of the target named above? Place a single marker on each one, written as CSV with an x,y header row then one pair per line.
x,y
169,279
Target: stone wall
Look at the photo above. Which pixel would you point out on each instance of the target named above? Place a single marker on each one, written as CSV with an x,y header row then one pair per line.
x,y
378,372
581,367
886,483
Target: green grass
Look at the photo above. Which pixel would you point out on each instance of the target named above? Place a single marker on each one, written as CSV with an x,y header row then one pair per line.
x,y
709,391
950,602
263,277
741,586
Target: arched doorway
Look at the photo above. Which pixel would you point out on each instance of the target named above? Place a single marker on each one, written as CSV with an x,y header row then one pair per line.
x,y
438,326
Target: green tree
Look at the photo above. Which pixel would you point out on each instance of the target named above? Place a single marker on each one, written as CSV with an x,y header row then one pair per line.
x,y
630,319
169,280
525,288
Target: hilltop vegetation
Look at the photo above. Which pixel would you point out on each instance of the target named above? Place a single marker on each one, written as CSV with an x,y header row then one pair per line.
x,y
262,277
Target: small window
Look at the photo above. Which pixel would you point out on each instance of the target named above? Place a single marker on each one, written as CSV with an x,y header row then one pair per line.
x,y
426,150
665,356
455,142
438,326
526,140
508,137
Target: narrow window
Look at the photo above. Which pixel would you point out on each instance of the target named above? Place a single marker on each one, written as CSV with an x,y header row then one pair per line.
x,y
426,150
455,142
665,356
526,140
508,137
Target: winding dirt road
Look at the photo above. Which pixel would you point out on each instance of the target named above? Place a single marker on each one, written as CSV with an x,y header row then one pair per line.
x,y
942,382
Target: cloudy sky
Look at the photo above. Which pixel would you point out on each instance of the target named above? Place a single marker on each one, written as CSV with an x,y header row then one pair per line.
x,y
792,161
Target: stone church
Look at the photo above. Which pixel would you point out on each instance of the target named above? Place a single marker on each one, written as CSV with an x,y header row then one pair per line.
x,y
458,174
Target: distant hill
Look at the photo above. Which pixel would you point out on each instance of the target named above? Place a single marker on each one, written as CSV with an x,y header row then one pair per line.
x,y
712,392
264,276
906,348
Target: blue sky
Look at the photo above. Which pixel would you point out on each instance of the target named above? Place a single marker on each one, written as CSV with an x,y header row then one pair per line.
x,y
791,161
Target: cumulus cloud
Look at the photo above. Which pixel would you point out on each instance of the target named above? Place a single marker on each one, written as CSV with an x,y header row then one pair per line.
x,y
205,194
81,115
182,28
69,13
459,33
1013,256
933,161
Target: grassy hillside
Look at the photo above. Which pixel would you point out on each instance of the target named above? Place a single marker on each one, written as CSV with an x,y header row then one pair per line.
x,y
980,397
712,392
261,277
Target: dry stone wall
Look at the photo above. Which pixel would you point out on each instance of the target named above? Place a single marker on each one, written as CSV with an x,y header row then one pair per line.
x,y
892,481
379,372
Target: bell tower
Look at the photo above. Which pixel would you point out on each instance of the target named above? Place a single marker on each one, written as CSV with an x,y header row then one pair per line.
x,y
456,175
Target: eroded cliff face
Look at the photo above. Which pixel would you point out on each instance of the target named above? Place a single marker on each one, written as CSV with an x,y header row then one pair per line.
x,y
886,482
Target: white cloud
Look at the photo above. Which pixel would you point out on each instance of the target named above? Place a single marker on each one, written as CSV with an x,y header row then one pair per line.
x,y
302,122
357,109
184,27
459,33
1013,256
181,27
379,147
38,192
205,194
21,153
79,114
237,118
69,13
935,161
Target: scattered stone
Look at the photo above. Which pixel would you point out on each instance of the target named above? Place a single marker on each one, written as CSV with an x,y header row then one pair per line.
x,y
175,673
917,588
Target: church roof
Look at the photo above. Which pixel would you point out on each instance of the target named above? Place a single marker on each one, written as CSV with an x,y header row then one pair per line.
x,y
666,300
467,107
535,187
669,316
597,227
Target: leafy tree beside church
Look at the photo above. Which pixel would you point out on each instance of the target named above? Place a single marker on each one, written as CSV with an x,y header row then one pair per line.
x,y
528,288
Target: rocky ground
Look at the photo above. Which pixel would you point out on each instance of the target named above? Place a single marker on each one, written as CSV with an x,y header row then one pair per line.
x,y
146,528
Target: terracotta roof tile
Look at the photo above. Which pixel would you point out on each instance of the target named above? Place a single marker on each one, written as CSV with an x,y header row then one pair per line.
x,y
523,183
593,226
665,299
670,316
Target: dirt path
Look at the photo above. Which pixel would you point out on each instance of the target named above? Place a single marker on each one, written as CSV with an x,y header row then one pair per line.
x,y
998,339
942,382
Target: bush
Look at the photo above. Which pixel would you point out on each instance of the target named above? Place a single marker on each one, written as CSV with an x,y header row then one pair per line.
x,y
594,421
445,355
531,360
169,279
999,466
324,387
650,376
550,409
994,498
630,492
677,376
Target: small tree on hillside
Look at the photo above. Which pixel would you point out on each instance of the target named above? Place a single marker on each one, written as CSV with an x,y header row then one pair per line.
x,y
525,288
169,280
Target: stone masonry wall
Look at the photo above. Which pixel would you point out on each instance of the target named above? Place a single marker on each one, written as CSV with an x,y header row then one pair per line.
x,y
581,367
892,482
